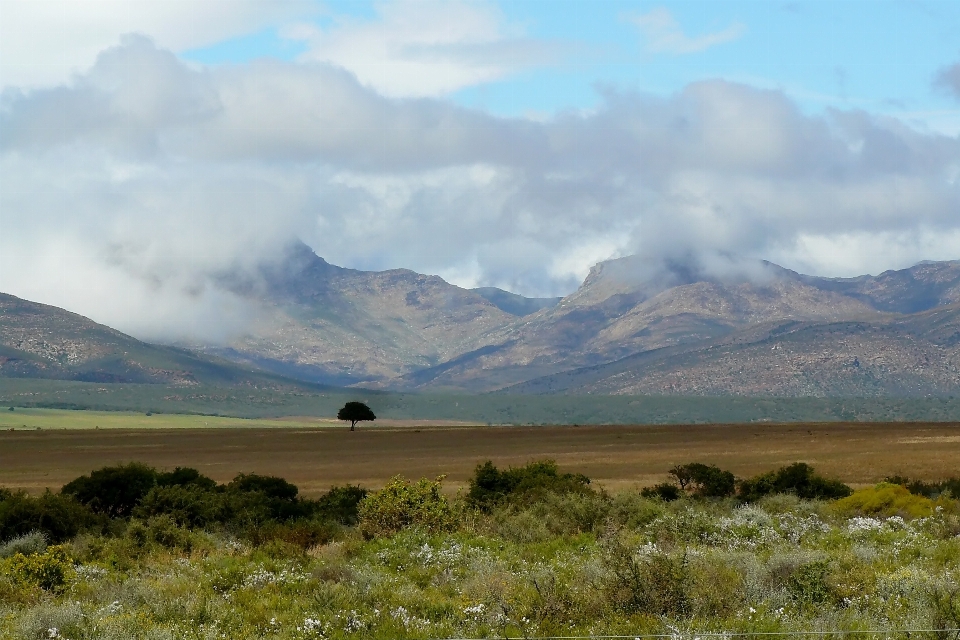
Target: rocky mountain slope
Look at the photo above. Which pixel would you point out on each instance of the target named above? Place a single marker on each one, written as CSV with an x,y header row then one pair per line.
x,y
405,331
329,324
738,328
40,341
918,355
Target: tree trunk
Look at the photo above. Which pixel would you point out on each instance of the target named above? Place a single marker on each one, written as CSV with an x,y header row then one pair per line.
x,y
353,423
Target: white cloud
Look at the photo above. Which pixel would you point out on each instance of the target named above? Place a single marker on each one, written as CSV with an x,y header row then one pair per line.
x,y
131,192
663,34
43,42
426,47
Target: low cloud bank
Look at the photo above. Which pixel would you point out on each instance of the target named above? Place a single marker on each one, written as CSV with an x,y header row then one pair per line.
x,y
131,191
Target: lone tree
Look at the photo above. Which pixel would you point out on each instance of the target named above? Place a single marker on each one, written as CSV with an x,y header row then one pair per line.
x,y
355,412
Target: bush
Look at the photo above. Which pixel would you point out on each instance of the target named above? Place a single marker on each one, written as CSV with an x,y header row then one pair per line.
x,y
114,491
931,490
886,500
33,542
657,583
270,486
490,486
185,476
189,505
58,517
403,504
665,491
556,514
47,570
798,479
705,481
162,531
340,504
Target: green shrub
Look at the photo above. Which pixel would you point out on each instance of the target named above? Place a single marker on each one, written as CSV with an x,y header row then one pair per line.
x,y
270,486
665,491
885,499
162,531
401,504
930,490
188,505
704,481
58,517
491,486
114,491
798,479
185,476
555,514
656,583
340,504
47,570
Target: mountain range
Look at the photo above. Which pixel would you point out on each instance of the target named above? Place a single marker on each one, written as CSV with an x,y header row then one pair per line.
x,y
634,326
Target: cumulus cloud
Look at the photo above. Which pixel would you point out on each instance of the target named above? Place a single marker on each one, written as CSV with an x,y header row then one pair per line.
x,y
663,34
44,42
131,192
426,47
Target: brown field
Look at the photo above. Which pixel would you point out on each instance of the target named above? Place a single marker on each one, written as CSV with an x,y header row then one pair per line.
x,y
614,456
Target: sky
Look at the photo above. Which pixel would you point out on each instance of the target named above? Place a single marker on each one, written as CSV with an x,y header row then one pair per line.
x,y
150,149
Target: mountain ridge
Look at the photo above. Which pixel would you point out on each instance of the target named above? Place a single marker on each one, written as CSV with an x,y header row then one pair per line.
x,y
633,326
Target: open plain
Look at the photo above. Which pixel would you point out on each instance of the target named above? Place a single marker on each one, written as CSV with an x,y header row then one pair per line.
x,y
48,448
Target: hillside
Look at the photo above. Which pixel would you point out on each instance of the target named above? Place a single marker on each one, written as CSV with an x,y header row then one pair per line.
x,y
324,323
399,330
913,355
633,327
41,341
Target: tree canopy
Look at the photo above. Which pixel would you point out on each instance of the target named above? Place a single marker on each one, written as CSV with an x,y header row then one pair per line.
x,y
355,412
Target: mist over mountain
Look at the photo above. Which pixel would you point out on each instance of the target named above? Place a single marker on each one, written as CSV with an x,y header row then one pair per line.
x,y
161,178
405,331
723,326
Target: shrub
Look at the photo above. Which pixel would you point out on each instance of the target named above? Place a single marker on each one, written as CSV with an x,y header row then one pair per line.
x,y
270,486
185,476
33,542
885,499
798,479
556,514
114,491
162,531
665,491
47,570
188,505
403,504
58,517
930,490
491,486
705,481
657,583
340,504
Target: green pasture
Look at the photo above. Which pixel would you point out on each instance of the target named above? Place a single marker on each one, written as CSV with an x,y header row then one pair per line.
x,y
68,419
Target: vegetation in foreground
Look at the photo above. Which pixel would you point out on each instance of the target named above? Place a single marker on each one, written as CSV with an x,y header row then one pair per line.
x,y
131,552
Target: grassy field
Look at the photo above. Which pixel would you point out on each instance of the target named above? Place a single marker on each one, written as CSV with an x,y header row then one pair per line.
x,y
57,446
495,409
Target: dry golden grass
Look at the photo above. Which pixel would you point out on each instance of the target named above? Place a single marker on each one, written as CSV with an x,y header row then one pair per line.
x,y
616,457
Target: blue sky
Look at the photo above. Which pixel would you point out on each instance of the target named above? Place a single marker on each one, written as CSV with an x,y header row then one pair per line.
x,y
877,55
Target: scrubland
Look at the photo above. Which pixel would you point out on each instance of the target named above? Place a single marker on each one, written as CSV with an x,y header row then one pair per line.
x,y
524,552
